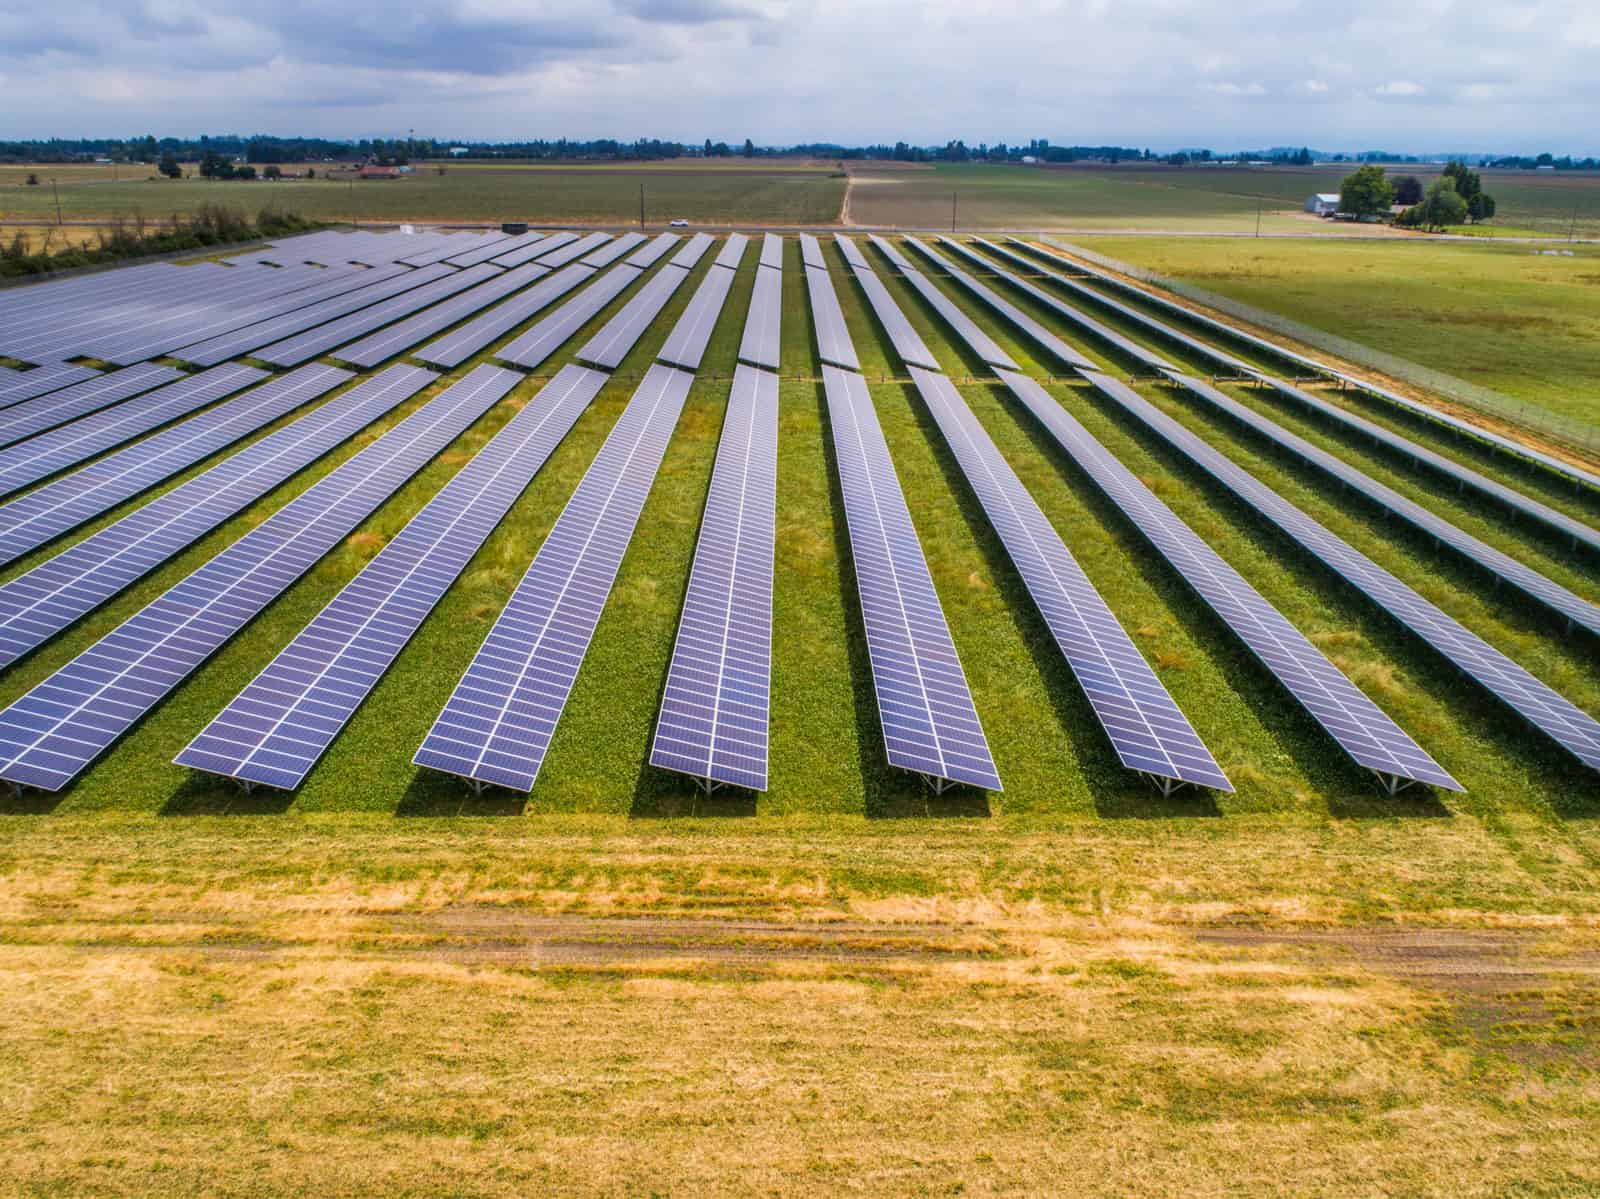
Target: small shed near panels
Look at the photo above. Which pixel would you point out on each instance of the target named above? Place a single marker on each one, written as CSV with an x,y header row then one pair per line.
x,y
1323,203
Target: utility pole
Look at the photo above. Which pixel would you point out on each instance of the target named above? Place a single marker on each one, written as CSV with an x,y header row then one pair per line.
x,y
952,212
1258,216
55,191
641,206
353,222
1572,231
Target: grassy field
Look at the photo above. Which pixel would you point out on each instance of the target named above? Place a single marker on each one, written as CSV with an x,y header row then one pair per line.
x,y
753,195
1187,199
621,987
1496,315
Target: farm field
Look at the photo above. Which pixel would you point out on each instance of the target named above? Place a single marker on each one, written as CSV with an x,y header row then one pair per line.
x,y
1305,986
1496,315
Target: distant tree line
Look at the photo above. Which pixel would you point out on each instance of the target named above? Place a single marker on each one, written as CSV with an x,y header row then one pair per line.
x,y
124,237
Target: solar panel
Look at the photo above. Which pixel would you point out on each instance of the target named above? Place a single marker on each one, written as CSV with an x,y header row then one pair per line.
x,y
39,457
53,376
908,344
1356,724
40,603
31,417
497,725
44,513
544,244
617,336
690,253
772,251
1572,729
686,344
278,328
461,343
1500,566
453,245
1147,729
532,347
966,328
811,252
572,251
732,252
713,720
50,735
276,729
852,252
930,726
304,346
402,335
760,343
494,249
833,338
892,252
613,250
648,255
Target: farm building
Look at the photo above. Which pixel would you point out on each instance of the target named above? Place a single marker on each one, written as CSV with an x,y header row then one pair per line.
x,y
377,172
1323,203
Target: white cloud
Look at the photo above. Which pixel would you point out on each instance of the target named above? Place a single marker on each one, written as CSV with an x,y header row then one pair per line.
x,y
1400,87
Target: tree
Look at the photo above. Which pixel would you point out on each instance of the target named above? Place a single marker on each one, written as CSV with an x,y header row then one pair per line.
x,y
272,172
1408,190
1469,186
749,148
169,166
1480,207
1442,206
1366,192
33,180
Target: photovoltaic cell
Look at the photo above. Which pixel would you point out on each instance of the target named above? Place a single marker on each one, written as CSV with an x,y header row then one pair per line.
x,y
852,252
17,386
1502,567
713,720
690,253
686,344
966,328
31,417
67,445
277,728
495,249
760,343
573,250
617,336
833,338
497,725
543,249
456,346
811,252
40,603
772,251
45,513
609,253
532,347
908,344
651,253
1570,727
929,723
1356,724
50,735
732,252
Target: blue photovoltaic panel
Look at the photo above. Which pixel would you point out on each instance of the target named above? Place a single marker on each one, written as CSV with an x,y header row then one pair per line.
x,y
892,252
617,336
24,385
31,417
613,250
811,252
39,604
546,244
772,251
966,328
572,251
497,725
833,338
852,252
454,245
1502,567
495,249
1020,320
1147,729
1570,727
686,344
278,328
690,253
713,721
760,343
456,346
1356,724
295,350
66,446
732,252
532,347
648,255
929,723
402,335
50,735
46,512
908,344
276,728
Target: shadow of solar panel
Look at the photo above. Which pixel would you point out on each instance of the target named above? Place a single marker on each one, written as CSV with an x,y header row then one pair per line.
x,y
713,720
34,519
833,338
1147,729
1359,727
761,342
686,344
1570,727
616,337
930,726
533,346
50,735
277,728
497,724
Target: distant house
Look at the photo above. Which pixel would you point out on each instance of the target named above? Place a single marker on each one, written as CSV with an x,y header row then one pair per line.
x,y
1323,203
1029,160
376,172
459,151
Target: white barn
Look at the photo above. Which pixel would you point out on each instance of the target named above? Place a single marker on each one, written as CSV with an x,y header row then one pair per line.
x,y
1323,203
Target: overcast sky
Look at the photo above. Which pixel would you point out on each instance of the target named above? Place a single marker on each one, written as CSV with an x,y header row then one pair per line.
x,y
1230,74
